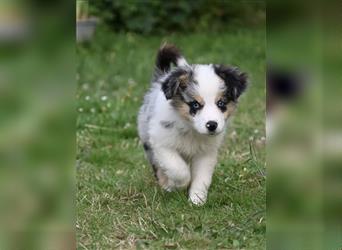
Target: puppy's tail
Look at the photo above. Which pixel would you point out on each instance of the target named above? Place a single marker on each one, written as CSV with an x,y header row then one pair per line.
x,y
167,54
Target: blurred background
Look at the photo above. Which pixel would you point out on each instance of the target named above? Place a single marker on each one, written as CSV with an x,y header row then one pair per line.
x,y
152,17
37,110
37,135
304,146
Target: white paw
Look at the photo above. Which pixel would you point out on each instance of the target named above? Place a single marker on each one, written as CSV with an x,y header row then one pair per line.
x,y
198,198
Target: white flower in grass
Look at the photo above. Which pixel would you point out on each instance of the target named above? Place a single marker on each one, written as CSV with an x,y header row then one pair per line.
x,y
233,135
85,86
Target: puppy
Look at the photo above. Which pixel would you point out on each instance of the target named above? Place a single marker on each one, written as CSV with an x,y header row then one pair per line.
x,y
183,120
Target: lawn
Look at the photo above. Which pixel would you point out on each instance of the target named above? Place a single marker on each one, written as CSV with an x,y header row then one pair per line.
x,y
119,204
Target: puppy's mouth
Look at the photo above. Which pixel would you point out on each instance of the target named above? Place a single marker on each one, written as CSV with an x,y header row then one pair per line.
x,y
214,133
209,133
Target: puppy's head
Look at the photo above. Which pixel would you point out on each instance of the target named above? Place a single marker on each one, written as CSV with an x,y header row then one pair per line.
x,y
204,95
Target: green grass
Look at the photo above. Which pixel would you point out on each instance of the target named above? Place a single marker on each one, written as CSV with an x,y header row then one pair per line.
x,y
119,204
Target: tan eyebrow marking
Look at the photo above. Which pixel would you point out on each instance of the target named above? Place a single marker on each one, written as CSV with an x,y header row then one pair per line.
x,y
219,96
199,99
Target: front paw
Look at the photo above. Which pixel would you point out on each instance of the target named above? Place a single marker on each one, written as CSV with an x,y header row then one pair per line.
x,y
198,198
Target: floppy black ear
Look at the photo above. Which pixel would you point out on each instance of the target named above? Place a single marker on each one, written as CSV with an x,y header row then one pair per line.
x,y
176,80
235,80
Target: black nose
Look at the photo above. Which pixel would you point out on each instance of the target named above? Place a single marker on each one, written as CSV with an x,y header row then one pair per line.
x,y
211,126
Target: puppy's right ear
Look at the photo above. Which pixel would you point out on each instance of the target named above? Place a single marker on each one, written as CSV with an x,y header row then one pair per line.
x,y
178,79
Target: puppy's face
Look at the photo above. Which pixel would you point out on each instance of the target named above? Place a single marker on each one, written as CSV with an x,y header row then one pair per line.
x,y
205,95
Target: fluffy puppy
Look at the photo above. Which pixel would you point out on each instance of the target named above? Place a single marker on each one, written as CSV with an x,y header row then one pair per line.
x,y
183,120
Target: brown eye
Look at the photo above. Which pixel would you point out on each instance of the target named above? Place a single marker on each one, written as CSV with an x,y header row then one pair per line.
x,y
221,104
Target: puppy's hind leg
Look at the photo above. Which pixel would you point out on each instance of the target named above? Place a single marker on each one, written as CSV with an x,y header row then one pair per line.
x,y
158,172
149,155
174,172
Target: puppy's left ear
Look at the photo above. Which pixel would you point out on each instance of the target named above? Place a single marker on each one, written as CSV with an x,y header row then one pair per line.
x,y
235,80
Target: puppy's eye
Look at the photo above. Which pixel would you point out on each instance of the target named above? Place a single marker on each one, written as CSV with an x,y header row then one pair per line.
x,y
195,105
221,104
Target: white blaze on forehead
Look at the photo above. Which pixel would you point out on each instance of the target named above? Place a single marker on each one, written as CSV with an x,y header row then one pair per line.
x,y
209,84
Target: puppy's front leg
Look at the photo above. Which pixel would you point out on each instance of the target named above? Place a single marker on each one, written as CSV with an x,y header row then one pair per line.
x,y
201,172
173,171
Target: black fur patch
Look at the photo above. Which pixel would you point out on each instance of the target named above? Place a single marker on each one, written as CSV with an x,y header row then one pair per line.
x,y
223,109
178,79
149,154
167,124
235,80
154,168
167,54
